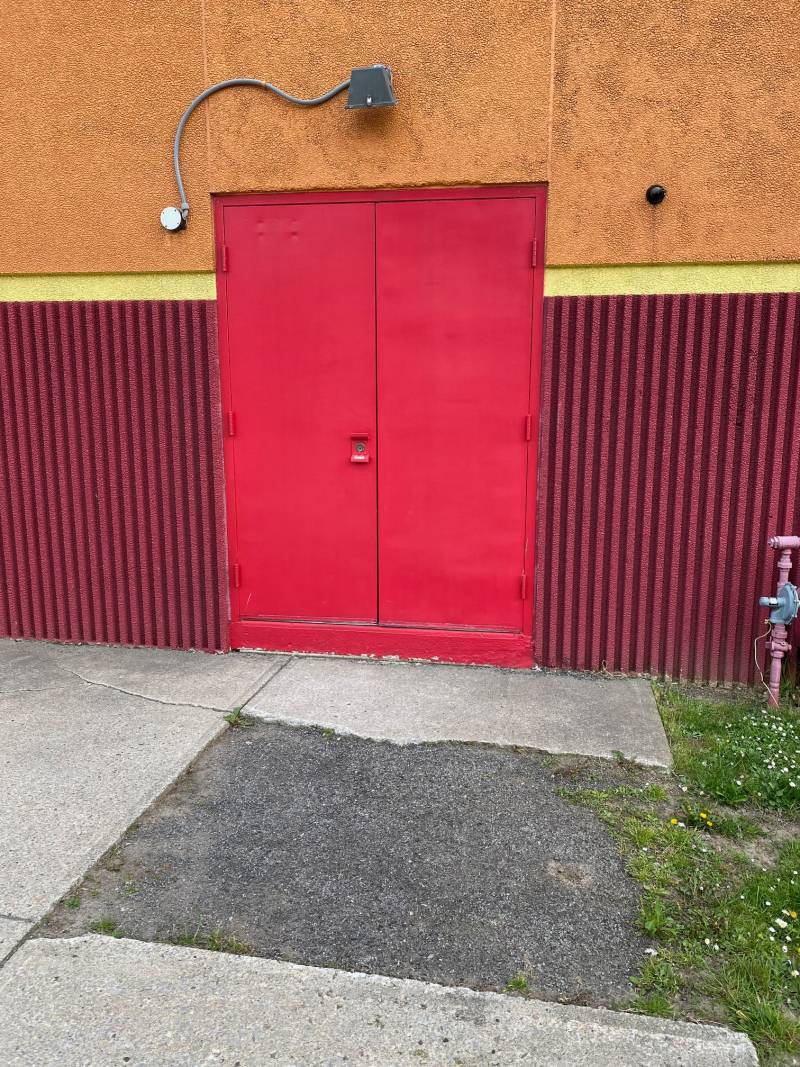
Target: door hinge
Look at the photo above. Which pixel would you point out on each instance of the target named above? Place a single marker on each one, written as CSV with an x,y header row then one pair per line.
x,y
528,425
230,423
223,259
236,576
534,252
523,585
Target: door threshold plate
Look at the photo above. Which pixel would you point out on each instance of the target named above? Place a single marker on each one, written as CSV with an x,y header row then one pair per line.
x,y
448,646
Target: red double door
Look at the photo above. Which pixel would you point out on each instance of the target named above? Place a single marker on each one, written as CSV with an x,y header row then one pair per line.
x,y
377,355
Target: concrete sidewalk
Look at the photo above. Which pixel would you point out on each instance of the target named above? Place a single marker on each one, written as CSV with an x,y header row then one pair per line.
x,y
95,1000
585,715
90,737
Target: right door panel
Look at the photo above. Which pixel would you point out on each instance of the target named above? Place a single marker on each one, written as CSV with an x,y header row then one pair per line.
x,y
454,321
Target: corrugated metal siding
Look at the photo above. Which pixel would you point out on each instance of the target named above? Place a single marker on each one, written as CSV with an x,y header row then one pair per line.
x,y
669,452
111,479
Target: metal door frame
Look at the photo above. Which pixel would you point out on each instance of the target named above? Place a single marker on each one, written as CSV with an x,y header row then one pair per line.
x,y
454,646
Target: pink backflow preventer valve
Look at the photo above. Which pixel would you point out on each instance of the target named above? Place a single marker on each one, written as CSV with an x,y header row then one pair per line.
x,y
783,610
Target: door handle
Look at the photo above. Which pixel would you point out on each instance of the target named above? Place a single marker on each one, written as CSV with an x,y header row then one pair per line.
x,y
359,448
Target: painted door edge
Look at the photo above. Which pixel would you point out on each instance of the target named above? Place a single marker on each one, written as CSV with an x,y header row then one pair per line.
x,y
535,400
229,473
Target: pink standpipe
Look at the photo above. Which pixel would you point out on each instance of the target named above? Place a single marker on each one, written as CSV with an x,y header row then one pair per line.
x,y
784,607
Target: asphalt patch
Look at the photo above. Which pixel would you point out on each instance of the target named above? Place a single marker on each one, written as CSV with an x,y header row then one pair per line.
x,y
450,863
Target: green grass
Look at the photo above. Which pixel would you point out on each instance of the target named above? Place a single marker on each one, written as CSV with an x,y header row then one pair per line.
x,y
738,754
215,941
711,819
517,984
106,926
238,718
725,928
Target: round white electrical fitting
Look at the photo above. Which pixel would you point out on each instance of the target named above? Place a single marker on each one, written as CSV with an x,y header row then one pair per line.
x,y
172,219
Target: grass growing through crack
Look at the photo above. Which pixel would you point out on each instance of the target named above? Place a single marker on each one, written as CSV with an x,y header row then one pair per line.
x,y
725,924
517,984
214,941
106,926
237,718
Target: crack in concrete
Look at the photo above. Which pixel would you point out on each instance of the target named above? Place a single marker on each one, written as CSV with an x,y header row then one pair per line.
x,y
171,703
271,678
241,701
140,696
263,684
6,956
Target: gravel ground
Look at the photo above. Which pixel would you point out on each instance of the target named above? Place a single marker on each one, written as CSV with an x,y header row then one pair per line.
x,y
452,863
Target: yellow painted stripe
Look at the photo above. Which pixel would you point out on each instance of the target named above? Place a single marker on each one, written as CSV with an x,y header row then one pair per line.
x,y
559,281
167,286
673,278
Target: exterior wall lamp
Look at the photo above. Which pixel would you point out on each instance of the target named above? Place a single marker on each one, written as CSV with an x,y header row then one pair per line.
x,y
369,87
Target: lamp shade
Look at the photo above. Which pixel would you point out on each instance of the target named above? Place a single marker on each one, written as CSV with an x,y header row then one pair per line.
x,y
371,87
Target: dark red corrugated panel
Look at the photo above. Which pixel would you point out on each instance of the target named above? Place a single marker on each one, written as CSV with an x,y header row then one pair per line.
x,y
669,453
111,480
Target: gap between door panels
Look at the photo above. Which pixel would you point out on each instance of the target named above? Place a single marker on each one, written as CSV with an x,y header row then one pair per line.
x,y
377,419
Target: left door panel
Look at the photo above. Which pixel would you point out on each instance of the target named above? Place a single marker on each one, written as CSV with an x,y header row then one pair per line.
x,y
300,292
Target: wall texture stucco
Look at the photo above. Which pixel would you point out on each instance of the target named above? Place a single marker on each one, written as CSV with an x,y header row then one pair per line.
x,y
85,128
649,279
167,285
472,81
88,123
700,97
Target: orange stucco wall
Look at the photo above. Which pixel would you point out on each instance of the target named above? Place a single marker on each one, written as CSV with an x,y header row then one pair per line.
x,y
598,97
87,114
698,96
472,78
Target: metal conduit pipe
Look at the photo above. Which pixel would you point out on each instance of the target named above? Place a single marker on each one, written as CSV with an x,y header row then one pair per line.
x,y
370,87
176,219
